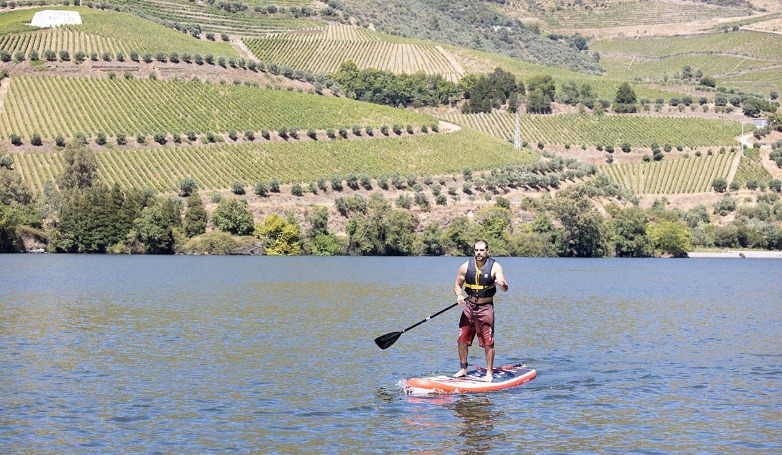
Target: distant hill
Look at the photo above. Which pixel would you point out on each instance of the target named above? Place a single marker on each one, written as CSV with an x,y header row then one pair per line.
x,y
479,25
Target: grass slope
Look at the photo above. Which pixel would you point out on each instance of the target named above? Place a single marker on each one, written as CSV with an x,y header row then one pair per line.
x,y
67,105
217,166
101,31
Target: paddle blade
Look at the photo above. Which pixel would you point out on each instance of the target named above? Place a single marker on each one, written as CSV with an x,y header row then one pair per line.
x,y
385,341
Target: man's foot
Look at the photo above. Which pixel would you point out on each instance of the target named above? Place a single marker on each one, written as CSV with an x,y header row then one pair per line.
x,y
461,373
488,377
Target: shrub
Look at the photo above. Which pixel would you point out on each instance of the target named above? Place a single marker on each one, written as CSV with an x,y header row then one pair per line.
x,y
336,183
366,182
238,187
384,130
261,189
274,186
352,181
15,139
343,132
409,129
296,190
330,133
160,138
249,135
404,201
312,134
100,138
121,138
423,202
35,139
356,129
397,128
59,140
187,186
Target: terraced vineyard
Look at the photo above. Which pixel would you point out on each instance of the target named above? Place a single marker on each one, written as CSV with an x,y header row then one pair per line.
x,y
101,31
63,39
671,176
744,59
576,129
324,49
213,19
67,105
741,43
640,13
751,168
218,166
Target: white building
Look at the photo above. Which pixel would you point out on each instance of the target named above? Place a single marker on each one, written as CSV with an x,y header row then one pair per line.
x,y
52,18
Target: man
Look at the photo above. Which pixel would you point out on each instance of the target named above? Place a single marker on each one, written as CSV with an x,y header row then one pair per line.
x,y
480,276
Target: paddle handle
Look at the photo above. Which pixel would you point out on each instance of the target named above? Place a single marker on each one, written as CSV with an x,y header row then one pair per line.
x,y
430,317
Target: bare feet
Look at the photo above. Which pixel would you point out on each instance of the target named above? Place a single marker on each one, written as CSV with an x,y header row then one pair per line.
x,y
488,377
461,373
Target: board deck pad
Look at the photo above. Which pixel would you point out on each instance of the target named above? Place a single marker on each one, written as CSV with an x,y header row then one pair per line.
x,y
503,378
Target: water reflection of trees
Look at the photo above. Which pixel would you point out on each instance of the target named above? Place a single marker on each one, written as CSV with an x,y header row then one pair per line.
x,y
478,415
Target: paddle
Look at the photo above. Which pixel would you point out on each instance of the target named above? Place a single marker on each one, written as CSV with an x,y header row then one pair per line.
x,y
385,341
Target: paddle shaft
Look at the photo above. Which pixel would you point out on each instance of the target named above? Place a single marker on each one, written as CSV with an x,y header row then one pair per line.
x,y
430,317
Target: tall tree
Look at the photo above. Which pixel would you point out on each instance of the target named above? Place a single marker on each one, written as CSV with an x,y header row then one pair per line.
x,y
81,167
582,233
196,217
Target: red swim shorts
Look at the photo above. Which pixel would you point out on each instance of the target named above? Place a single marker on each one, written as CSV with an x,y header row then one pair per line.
x,y
477,320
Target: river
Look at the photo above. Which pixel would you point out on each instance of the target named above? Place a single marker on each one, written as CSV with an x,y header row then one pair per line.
x,y
192,355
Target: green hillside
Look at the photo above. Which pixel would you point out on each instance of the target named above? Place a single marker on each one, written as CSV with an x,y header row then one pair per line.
x,y
592,130
742,59
101,31
164,96
217,166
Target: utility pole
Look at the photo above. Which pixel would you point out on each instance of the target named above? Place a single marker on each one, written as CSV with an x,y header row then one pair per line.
x,y
517,136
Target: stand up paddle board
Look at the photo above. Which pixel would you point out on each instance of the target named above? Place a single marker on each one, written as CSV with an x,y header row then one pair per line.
x,y
503,378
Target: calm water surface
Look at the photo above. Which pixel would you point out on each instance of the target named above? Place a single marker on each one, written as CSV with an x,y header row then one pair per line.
x,y
191,355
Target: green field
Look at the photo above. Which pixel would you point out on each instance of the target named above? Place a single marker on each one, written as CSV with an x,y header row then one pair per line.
x,y
217,166
67,105
671,176
751,168
213,19
741,43
324,49
101,31
743,59
591,130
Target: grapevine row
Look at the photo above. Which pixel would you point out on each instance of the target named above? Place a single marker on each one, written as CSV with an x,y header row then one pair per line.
x,y
217,166
639,131
674,176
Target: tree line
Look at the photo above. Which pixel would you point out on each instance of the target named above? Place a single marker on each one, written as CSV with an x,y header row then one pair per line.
x,y
82,215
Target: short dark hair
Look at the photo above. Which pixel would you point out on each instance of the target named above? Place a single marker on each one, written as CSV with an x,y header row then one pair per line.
x,y
482,241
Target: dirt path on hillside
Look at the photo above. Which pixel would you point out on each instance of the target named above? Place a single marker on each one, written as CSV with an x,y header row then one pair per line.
x,y
672,29
244,51
454,63
4,84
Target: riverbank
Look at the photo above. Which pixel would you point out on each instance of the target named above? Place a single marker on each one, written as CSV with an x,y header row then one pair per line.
x,y
738,254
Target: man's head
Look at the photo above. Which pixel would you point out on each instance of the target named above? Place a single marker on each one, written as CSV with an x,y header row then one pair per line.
x,y
481,250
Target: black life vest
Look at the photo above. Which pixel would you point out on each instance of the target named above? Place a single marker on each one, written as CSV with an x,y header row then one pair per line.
x,y
479,282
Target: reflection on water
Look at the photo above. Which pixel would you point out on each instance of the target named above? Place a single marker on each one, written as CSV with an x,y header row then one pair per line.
x,y
188,355
478,415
